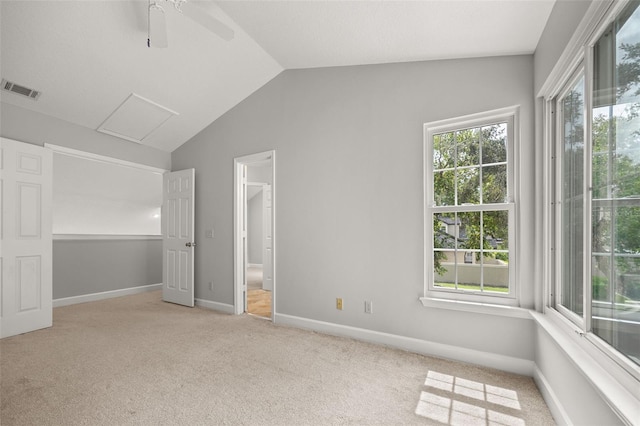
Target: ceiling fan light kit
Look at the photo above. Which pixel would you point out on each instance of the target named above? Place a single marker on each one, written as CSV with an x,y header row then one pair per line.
x,y
157,28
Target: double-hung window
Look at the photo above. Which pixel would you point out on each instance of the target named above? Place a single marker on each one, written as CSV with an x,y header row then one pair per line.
x,y
470,208
597,190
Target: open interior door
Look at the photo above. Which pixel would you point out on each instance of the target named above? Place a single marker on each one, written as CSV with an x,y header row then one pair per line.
x,y
178,242
245,245
267,245
26,270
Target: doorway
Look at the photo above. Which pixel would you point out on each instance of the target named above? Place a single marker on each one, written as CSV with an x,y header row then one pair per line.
x,y
254,219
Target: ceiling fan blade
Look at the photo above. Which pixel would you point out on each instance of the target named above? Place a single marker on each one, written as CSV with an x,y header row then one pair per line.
x,y
157,27
207,21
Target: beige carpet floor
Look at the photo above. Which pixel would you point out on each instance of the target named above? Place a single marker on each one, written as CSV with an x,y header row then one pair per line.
x,y
138,361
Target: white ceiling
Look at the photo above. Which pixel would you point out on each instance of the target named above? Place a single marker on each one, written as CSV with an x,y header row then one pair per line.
x,y
87,57
307,34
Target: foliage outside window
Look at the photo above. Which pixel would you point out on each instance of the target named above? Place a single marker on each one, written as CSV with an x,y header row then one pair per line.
x,y
599,268
469,214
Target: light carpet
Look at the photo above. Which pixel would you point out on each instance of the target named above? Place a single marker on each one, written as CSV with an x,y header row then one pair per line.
x,y
136,360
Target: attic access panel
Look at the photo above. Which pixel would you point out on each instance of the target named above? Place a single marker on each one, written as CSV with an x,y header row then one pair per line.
x,y
136,119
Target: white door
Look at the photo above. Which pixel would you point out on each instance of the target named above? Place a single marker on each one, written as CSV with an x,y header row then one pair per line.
x,y
26,269
245,245
177,237
267,244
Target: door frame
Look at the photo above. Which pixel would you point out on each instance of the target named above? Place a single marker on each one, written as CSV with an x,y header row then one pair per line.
x,y
239,180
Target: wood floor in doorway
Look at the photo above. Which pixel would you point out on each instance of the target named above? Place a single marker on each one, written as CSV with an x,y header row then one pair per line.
x,y
258,300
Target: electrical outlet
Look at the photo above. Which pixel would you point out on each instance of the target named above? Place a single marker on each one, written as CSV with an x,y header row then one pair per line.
x,y
209,233
339,303
211,285
368,306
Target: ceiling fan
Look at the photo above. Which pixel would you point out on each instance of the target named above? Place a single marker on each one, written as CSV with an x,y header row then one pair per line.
x,y
157,36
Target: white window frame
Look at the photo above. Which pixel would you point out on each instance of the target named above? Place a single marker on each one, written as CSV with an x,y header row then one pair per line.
x,y
576,75
509,115
615,376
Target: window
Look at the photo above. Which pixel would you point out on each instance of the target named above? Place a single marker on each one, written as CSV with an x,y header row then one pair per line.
x,y
571,207
597,211
469,214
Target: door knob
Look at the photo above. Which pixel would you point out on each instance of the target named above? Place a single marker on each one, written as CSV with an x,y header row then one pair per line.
x,y
190,244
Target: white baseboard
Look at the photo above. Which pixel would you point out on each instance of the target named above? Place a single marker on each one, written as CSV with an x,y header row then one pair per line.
x,y
216,306
486,359
65,301
557,411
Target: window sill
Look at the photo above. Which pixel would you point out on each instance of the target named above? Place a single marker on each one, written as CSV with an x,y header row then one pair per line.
x,y
476,307
616,385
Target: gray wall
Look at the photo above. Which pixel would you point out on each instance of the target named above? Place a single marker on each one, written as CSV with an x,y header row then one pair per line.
x,y
565,17
90,266
349,169
260,174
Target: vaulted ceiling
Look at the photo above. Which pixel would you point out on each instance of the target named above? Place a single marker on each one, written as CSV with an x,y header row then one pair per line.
x,y
88,57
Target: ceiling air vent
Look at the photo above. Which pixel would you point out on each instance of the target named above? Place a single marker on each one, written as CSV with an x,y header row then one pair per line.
x,y
20,90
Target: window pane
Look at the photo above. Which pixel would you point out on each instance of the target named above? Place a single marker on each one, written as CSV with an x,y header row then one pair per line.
x,y
627,280
601,290
459,261
615,311
616,185
600,172
446,229
572,205
444,188
494,144
468,147
601,230
444,271
626,173
469,230
443,151
494,184
495,230
470,275
468,185
495,272
627,229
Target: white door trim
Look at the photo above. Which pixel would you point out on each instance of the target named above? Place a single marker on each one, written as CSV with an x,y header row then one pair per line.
x,y
238,214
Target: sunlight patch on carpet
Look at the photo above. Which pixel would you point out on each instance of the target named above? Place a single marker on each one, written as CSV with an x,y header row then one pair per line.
x,y
443,402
